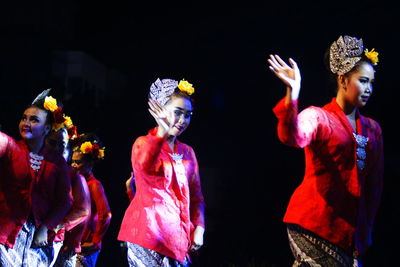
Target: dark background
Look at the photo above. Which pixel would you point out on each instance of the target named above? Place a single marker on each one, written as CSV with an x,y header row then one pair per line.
x,y
247,174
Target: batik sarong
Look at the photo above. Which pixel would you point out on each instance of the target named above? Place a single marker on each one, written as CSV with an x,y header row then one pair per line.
x,y
19,254
139,256
66,258
314,251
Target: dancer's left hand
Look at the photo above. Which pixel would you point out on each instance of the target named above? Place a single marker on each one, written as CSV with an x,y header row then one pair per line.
x,y
197,238
40,238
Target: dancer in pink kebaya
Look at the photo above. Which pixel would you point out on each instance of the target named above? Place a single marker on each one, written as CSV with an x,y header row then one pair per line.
x,y
165,220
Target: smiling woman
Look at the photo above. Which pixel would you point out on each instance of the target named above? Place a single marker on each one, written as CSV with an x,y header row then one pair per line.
x,y
33,124
34,188
331,215
165,220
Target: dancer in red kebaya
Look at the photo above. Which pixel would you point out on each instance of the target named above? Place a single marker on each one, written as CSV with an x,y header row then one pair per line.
x,y
68,237
165,219
34,188
87,151
330,216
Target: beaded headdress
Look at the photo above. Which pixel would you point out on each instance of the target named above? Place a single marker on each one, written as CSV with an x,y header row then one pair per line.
x,y
161,90
344,54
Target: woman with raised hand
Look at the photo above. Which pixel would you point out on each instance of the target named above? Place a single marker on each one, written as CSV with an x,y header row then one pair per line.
x,y
165,220
34,187
330,216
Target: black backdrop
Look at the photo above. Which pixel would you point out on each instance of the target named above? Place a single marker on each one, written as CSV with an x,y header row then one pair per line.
x,y
247,175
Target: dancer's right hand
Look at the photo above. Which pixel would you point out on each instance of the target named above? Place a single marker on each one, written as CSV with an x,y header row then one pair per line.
x,y
163,117
289,75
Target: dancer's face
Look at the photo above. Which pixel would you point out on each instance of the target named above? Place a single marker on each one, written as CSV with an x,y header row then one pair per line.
x,y
359,85
181,109
33,124
80,164
58,141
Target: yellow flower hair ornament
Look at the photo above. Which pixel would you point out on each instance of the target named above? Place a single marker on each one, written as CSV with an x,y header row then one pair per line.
x,y
71,128
50,103
68,121
186,87
57,126
65,122
93,149
372,55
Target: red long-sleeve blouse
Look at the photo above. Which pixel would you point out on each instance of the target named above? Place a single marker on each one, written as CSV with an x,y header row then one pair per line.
x,y
169,203
335,200
44,194
75,220
100,215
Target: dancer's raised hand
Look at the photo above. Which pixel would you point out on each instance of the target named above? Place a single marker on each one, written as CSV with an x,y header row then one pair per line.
x,y
288,74
163,117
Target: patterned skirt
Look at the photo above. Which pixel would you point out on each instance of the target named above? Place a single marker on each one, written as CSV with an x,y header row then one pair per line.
x,y
22,254
314,251
139,256
65,258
